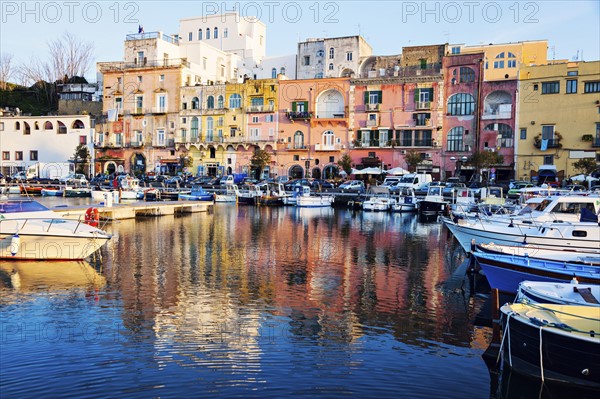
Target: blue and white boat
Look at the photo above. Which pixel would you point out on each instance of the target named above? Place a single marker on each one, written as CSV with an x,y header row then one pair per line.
x,y
572,293
505,272
197,194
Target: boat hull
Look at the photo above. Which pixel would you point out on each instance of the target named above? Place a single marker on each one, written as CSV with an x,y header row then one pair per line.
x,y
559,293
314,202
537,346
51,247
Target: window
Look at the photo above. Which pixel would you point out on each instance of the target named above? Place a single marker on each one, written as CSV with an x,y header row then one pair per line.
x,y
270,118
209,128
330,67
257,101
62,129
571,86
423,62
6,155
36,125
207,33
160,137
547,132
328,138
550,87
300,106
306,60
282,71
199,34
195,103
499,64
210,102
161,103
455,139
349,56
331,53
220,121
161,78
523,134
190,37
319,75
467,75
461,104
512,60
455,50
225,33
204,61
320,53
83,140
18,155
255,119
254,133
220,102
548,159
298,139
505,134
139,104
232,131
235,101
141,60
26,128
194,128
422,118
591,87
216,35
572,73
139,79
48,125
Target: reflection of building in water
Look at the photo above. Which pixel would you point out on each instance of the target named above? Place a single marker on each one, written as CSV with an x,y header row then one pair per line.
x,y
201,277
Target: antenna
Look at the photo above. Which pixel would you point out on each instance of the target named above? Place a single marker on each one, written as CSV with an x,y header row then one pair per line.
x,y
358,29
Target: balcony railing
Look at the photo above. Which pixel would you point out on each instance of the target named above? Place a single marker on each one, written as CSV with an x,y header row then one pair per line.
x,y
294,115
143,63
331,147
424,143
554,143
260,108
420,105
159,110
372,122
296,147
496,115
372,107
136,144
152,35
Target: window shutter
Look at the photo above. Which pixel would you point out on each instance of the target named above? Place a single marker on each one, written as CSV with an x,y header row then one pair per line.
x,y
430,94
294,106
366,97
428,115
305,106
359,135
416,95
379,96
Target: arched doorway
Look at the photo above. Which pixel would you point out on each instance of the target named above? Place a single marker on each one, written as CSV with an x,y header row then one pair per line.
x,y
316,173
296,172
138,164
110,167
330,171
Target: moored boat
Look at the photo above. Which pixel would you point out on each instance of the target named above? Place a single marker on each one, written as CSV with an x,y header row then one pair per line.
x,y
571,293
558,343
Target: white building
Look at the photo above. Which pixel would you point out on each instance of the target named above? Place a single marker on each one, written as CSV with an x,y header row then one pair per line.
x,y
331,57
272,67
26,140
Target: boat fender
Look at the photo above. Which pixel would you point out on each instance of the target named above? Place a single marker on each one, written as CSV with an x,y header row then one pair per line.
x,y
15,243
92,216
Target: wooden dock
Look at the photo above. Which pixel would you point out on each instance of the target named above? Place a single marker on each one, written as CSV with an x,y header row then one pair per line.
x,y
136,209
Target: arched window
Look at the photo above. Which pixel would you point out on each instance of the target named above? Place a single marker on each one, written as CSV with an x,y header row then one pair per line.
x,y
62,129
455,139
331,53
210,102
195,103
282,71
48,125
298,139
274,73
36,125
77,124
499,60
199,34
194,128
467,75
26,128
207,33
505,134
512,60
216,35
17,125
331,67
209,128
235,101
461,104
328,138
220,102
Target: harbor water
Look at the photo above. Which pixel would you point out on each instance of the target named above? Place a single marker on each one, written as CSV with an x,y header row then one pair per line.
x,y
248,302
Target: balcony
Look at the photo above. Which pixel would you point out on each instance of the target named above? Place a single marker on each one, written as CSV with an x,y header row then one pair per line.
x,y
136,111
331,147
136,144
295,115
119,66
159,110
372,123
293,147
372,107
152,35
496,115
423,105
554,143
424,143
260,108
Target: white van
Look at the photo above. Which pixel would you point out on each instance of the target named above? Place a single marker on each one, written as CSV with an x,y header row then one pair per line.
x,y
414,180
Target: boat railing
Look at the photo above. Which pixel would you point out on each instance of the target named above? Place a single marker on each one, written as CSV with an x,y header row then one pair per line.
x,y
20,223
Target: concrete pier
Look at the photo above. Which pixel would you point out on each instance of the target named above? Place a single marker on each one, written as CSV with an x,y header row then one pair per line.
x,y
136,209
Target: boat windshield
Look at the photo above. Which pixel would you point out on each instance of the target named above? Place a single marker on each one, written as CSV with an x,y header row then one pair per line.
x,y
21,206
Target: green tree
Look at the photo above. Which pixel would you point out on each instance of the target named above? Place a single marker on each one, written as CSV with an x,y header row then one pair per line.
x,y
81,159
259,160
413,159
484,160
586,166
345,163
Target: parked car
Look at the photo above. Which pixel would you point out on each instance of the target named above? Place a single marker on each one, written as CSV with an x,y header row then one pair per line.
x,y
515,192
248,181
451,187
352,186
289,186
321,184
74,178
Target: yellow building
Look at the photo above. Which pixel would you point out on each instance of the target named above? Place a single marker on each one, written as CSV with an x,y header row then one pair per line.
x,y
558,119
502,61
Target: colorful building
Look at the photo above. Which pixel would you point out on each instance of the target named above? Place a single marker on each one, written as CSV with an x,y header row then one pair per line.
x,y
559,119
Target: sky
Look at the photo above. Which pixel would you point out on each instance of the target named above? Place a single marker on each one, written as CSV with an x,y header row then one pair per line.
x,y
572,28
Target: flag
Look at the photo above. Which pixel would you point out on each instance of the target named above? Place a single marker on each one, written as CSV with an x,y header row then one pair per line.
x,y
113,115
544,146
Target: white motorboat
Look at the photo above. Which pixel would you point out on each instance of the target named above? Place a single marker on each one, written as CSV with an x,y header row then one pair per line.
x,y
535,251
434,202
378,199
559,293
406,201
306,200
229,195
29,230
